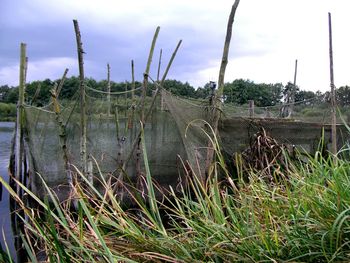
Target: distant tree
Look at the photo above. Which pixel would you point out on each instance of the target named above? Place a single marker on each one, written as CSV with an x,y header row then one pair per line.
x,y
11,96
343,96
203,92
306,97
178,88
240,91
4,90
70,87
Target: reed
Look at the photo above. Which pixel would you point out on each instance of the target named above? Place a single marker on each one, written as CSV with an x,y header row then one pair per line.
x,y
303,216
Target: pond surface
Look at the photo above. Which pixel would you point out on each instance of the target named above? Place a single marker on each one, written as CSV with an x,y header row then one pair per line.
x,y
6,133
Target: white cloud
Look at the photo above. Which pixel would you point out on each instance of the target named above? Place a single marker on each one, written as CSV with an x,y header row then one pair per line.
x,y
51,68
267,36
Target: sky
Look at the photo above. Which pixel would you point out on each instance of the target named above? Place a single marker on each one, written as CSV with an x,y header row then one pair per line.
x,y
268,36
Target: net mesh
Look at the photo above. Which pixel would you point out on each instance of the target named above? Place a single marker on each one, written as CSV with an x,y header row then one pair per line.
x,y
175,134
113,125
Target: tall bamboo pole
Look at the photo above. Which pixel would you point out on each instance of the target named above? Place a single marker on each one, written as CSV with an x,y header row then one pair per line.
x,y
20,118
109,91
170,63
224,59
159,63
158,72
137,138
217,104
62,136
60,85
294,90
333,99
145,75
132,81
133,102
83,151
19,156
25,69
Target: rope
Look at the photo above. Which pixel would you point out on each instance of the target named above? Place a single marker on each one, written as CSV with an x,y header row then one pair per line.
x,y
37,108
112,93
184,100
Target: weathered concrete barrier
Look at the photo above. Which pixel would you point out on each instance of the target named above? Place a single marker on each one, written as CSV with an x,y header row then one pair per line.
x,y
236,133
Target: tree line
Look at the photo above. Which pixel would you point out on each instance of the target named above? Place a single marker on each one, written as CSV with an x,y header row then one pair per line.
x,y
239,91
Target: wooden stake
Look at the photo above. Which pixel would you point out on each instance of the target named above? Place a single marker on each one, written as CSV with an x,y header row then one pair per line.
x,y
83,151
145,75
170,62
60,85
159,63
25,69
62,137
18,212
293,91
333,99
217,104
36,94
132,81
137,138
109,91
251,108
133,101
224,59
161,96
20,119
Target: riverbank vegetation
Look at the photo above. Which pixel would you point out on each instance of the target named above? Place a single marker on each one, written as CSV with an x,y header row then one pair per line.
x,y
289,209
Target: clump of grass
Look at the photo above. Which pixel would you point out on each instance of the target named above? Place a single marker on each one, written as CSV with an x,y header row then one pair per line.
x,y
302,218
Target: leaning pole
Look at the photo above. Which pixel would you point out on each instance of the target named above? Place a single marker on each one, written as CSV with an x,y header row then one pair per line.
x,y
333,99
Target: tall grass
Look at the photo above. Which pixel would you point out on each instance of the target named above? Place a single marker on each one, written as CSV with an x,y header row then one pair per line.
x,y
303,216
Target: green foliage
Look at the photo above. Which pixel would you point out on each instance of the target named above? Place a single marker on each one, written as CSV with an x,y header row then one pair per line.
x,y
178,88
241,91
203,93
343,96
8,94
8,111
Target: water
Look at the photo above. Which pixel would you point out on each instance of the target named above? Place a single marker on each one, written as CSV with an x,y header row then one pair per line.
x,y
6,133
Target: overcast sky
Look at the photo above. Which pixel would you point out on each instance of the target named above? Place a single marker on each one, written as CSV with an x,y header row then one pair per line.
x,y
268,35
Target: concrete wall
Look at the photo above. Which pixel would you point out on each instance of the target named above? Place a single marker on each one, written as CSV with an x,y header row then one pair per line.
x,y
235,133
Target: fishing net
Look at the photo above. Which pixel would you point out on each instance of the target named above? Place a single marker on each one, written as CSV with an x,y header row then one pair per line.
x,y
112,139
176,135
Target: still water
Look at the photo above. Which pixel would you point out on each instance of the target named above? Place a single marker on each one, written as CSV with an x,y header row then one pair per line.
x,y
6,133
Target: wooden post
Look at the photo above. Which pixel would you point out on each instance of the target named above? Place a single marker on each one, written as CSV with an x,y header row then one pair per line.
x,y
132,82
170,62
293,91
333,99
19,158
109,91
133,101
251,108
126,94
159,63
36,94
83,151
20,119
60,85
220,90
158,72
62,137
224,59
137,138
25,69
145,75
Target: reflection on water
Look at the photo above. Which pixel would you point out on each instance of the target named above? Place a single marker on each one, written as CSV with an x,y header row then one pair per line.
x,y
6,133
